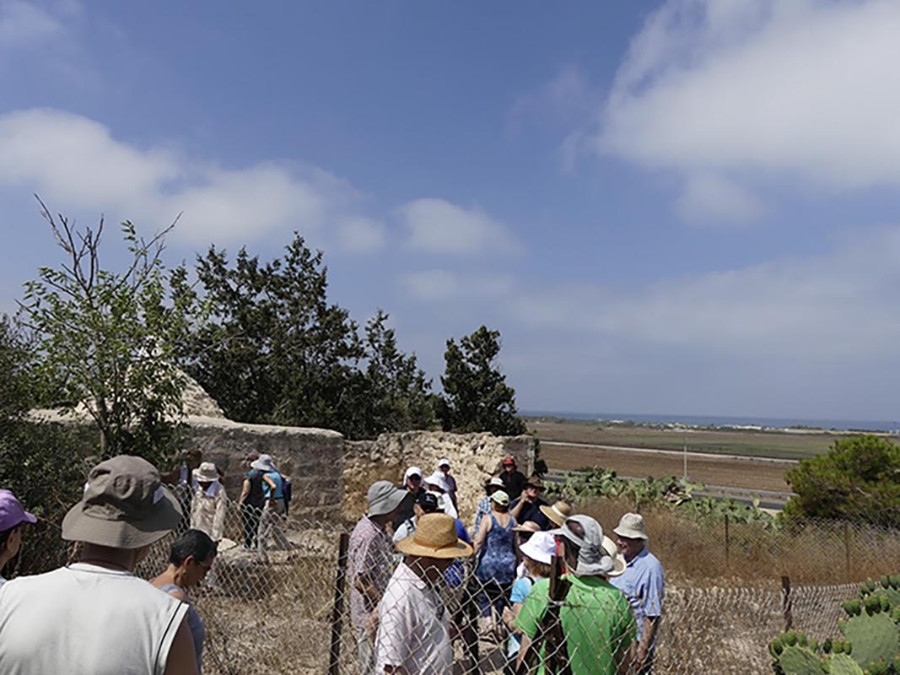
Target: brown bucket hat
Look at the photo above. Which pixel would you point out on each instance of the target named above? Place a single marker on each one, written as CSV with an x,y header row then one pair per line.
x,y
124,506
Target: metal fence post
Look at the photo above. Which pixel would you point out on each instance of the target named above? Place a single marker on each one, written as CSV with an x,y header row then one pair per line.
x,y
337,610
847,549
727,544
787,603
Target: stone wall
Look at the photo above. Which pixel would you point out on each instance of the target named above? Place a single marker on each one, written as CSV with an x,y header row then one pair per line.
x,y
311,457
474,458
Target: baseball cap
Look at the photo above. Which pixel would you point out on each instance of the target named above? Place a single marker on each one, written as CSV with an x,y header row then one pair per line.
x,y
12,513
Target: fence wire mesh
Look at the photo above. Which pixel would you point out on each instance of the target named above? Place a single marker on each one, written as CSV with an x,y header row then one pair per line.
x,y
286,612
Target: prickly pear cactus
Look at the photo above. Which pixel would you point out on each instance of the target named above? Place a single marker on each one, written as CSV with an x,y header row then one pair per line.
x,y
841,664
874,636
797,660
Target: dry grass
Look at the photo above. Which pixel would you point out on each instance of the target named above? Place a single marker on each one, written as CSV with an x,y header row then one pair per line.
x,y
701,552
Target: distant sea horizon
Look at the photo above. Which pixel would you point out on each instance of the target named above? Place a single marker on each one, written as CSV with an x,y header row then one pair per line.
x,y
726,420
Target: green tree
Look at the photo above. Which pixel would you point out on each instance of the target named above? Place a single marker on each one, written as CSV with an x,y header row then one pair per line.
x,y
274,350
105,340
39,462
396,391
476,396
858,478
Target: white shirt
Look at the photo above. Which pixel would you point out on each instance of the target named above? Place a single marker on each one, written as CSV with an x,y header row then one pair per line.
x,y
86,619
413,628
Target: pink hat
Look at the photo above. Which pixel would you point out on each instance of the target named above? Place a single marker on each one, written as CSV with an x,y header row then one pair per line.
x,y
12,513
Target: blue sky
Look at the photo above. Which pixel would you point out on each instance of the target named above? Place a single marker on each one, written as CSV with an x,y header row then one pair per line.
x,y
686,206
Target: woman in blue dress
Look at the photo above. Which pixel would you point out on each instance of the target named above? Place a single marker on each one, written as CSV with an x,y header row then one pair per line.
x,y
495,549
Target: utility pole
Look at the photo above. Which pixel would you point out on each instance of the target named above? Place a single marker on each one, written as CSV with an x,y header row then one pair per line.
x,y
684,454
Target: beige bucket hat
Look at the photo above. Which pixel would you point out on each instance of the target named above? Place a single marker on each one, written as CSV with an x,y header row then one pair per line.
x,y
631,526
435,537
124,506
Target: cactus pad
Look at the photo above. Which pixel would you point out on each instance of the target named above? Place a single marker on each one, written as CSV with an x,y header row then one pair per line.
x,y
841,664
873,637
799,661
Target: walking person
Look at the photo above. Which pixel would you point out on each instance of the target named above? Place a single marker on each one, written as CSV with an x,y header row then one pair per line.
x,y
414,626
369,554
252,501
495,546
644,585
13,519
190,559
94,616
270,521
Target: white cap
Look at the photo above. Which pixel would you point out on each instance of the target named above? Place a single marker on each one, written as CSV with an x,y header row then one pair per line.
x,y
412,471
443,462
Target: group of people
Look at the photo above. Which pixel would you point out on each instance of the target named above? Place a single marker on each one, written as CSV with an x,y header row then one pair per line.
x,y
94,616
409,544
264,499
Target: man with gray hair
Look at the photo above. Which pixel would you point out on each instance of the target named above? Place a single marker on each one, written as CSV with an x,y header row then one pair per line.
x,y
596,621
94,616
370,554
644,585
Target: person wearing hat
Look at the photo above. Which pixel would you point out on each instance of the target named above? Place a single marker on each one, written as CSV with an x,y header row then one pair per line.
x,y
252,501
537,553
436,482
430,502
528,506
513,479
13,519
274,509
443,466
412,483
644,585
597,622
484,505
210,503
413,628
495,546
558,513
369,554
95,616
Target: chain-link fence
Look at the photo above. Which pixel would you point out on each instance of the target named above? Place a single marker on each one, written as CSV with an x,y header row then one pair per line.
x,y
730,589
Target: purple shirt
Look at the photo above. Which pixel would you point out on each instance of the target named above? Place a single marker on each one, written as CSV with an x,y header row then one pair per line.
x,y
369,555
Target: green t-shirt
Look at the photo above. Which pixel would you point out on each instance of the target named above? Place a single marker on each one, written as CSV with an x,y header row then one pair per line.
x,y
596,620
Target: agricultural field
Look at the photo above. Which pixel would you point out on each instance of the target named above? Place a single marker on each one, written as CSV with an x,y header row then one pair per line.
x,y
566,444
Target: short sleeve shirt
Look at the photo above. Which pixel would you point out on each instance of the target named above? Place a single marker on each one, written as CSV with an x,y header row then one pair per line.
x,y
413,627
370,552
596,621
644,585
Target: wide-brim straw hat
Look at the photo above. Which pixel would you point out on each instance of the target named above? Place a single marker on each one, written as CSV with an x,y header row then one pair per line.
x,y
124,506
558,513
631,526
528,526
435,537
619,561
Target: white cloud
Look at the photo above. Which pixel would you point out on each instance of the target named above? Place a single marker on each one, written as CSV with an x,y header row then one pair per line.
x,y
440,285
805,88
76,163
361,235
710,199
437,226
836,306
